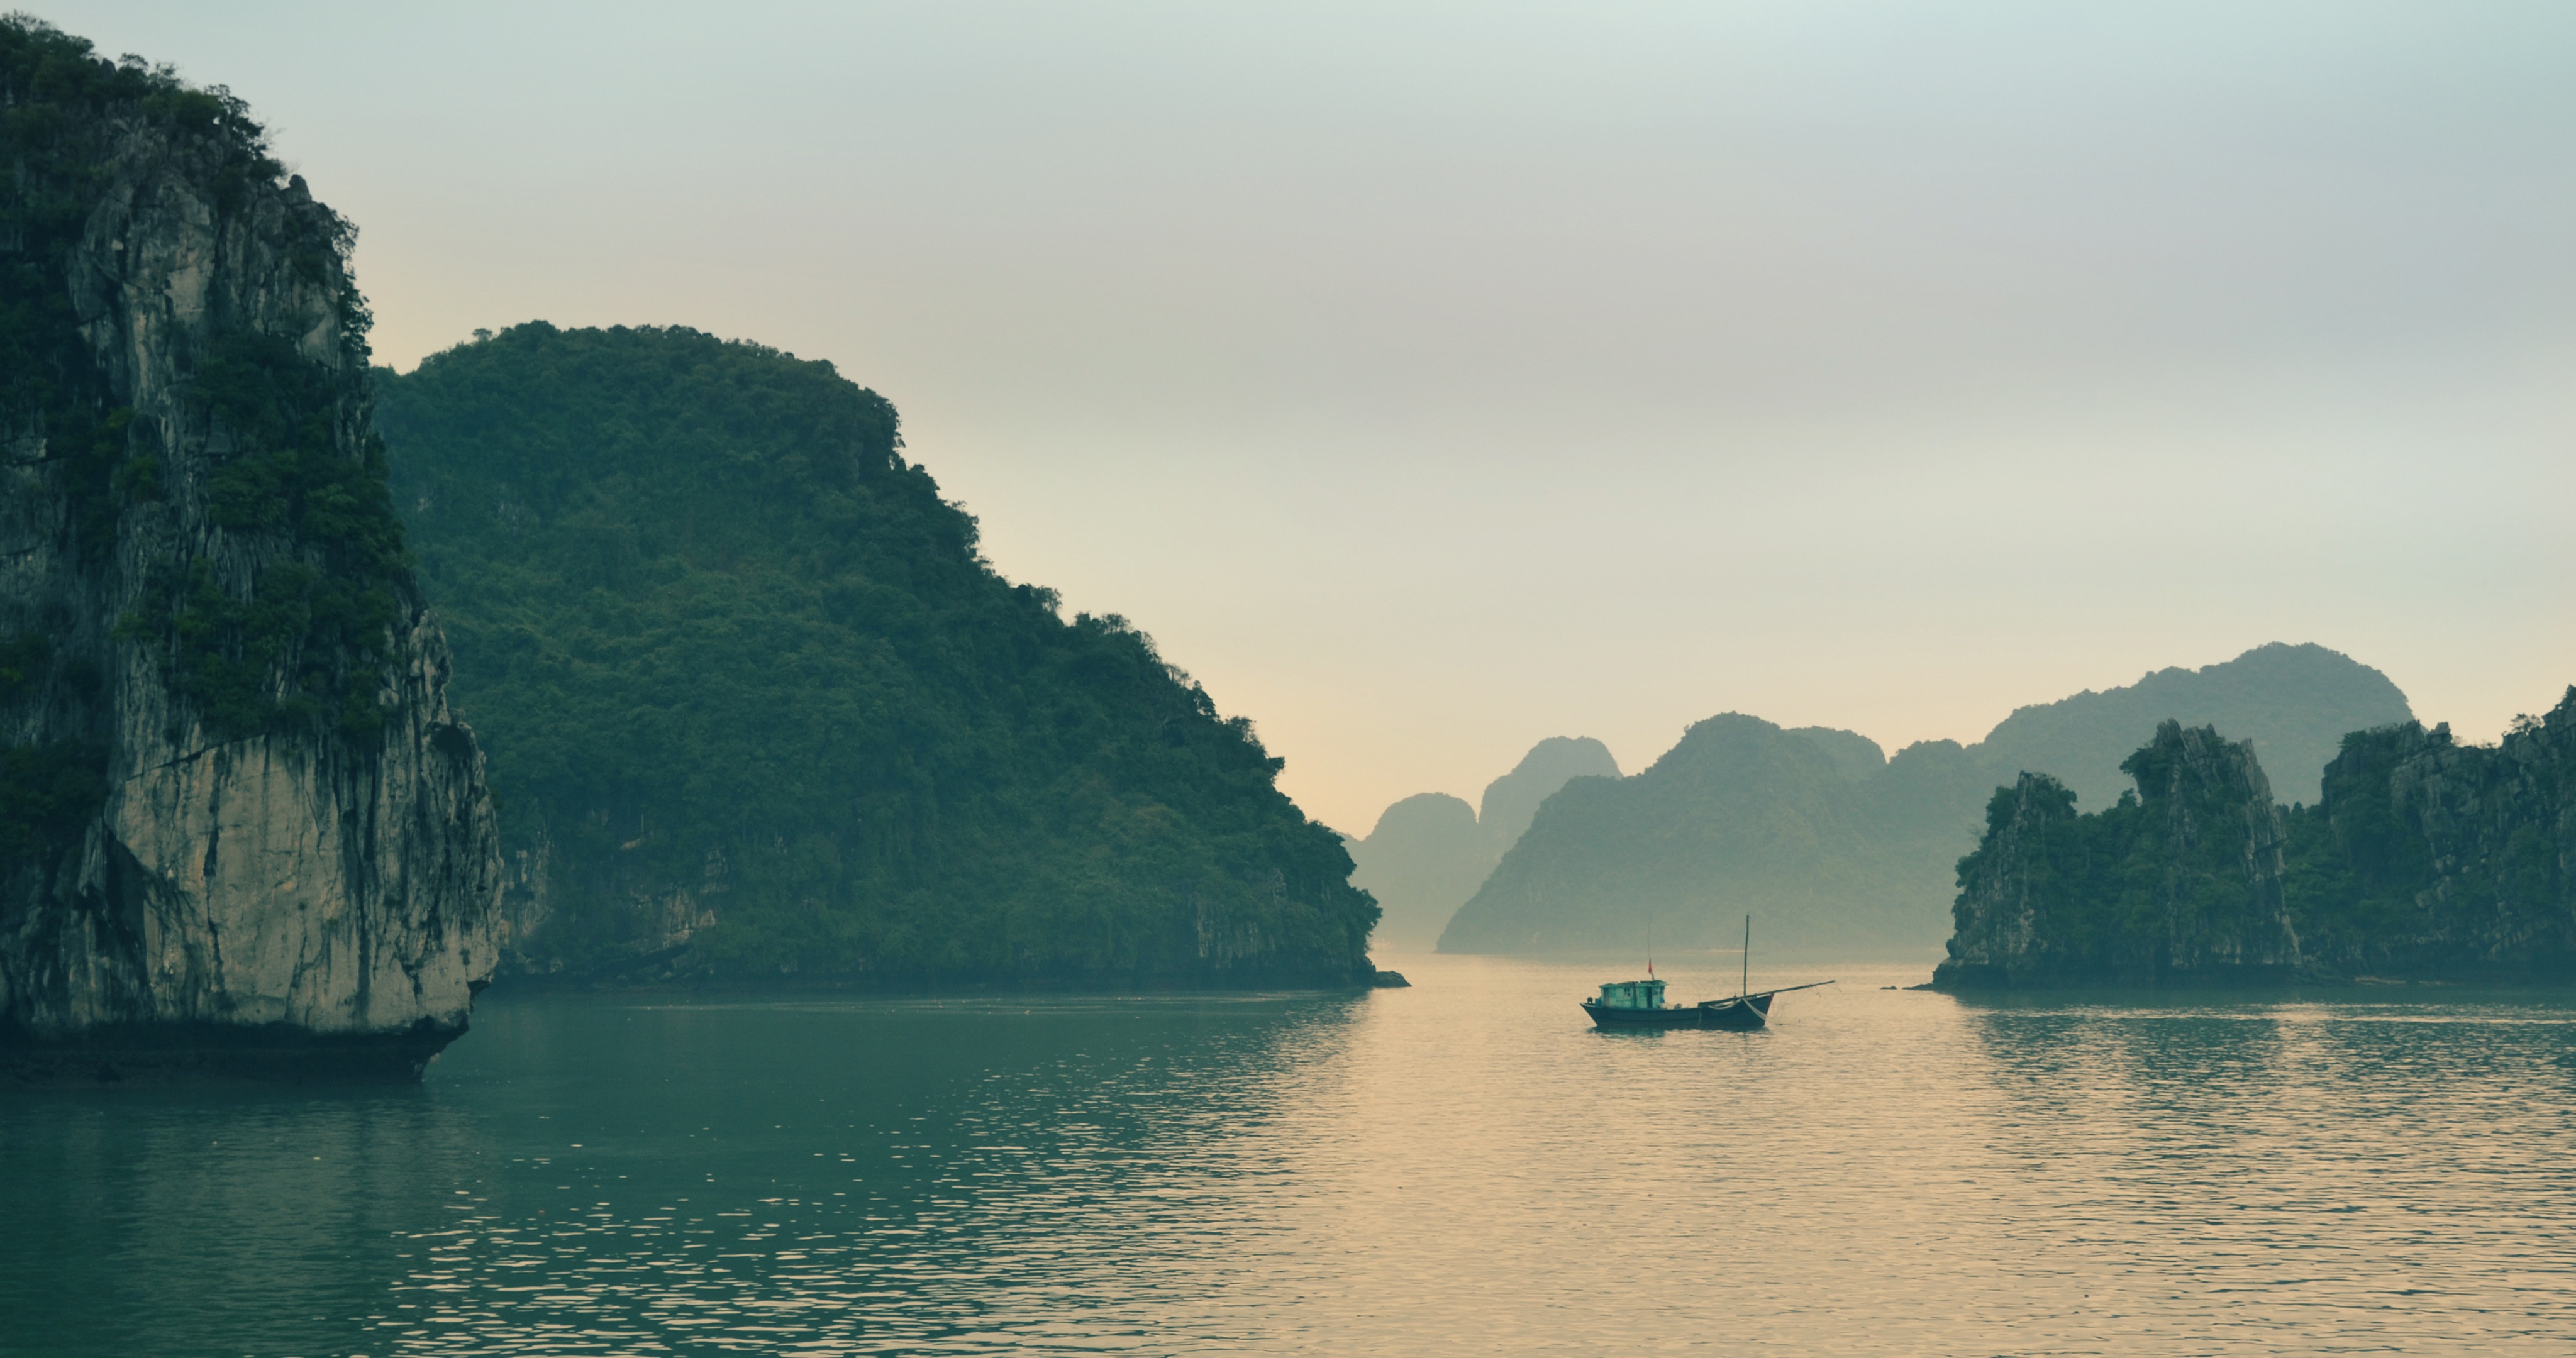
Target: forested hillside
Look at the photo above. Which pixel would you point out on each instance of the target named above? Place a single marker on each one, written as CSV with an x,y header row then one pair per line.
x,y
756,705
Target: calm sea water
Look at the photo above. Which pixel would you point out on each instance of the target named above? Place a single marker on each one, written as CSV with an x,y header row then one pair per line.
x,y
1461,1167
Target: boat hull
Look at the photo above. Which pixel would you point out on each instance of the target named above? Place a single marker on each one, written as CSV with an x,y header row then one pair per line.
x,y
1736,1015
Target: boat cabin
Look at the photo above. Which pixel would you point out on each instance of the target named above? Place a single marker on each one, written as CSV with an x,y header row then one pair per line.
x,y
1633,995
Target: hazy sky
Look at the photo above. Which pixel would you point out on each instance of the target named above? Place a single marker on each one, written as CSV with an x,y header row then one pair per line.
x,y
1429,379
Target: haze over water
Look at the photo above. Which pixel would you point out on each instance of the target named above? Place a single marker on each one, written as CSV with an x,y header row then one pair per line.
x,y
1464,1166
1430,378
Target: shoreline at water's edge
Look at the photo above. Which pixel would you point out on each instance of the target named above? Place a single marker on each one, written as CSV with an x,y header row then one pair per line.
x,y
198,1053
283,1054
1952,978
921,987
1981,982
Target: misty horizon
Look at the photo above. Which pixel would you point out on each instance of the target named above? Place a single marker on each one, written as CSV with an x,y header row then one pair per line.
x,y
1495,374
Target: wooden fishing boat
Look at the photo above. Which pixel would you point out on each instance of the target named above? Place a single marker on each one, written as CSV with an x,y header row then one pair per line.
x,y
1640,1004
1740,1013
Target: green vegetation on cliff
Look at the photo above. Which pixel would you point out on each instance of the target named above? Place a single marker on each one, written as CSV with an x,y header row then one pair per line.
x,y
273,615
2430,857
324,616
60,107
56,97
2423,857
2182,876
755,703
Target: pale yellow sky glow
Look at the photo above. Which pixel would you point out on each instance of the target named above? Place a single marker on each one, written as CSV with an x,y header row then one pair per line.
x,y
1432,379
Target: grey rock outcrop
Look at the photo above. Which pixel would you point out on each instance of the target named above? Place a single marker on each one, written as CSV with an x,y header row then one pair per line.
x,y
302,882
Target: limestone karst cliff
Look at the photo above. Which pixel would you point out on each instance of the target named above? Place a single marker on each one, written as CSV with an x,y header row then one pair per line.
x,y
2435,859
2424,859
239,829
761,713
2181,880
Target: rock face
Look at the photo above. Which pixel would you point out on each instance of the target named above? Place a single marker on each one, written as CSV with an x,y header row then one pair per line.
x,y
2433,859
239,830
2180,882
2425,859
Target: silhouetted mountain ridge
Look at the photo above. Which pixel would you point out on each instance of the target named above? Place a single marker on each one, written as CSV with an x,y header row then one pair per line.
x,y
2295,702
1838,849
1430,851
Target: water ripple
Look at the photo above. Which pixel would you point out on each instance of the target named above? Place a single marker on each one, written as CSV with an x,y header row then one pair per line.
x,y
1459,1167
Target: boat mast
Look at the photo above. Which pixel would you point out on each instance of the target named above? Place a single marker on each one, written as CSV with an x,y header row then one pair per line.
x,y
1744,978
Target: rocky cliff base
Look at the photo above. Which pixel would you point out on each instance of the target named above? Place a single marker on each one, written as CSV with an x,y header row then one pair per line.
x,y
189,1053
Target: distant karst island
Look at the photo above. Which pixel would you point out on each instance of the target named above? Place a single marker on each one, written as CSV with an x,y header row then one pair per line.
x,y
2423,859
1429,852
1837,846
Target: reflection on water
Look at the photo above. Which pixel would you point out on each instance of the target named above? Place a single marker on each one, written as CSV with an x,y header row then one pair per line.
x,y
1462,1166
